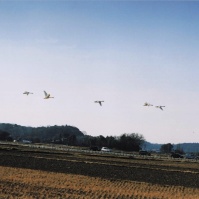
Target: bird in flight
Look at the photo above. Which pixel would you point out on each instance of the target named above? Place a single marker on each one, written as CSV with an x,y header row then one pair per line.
x,y
100,102
47,95
27,93
160,107
147,104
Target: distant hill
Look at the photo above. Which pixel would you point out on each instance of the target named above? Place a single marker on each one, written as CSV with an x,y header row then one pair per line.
x,y
187,147
71,135
151,146
41,134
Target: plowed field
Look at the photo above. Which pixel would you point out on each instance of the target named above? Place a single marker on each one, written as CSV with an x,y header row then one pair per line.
x,y
94,176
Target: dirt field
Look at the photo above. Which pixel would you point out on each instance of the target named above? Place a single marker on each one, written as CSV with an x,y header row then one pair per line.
x,y
46,174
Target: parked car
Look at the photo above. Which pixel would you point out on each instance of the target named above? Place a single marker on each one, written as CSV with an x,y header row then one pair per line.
x,y
176,155
106,149
95,148
191,156
142,152
197,157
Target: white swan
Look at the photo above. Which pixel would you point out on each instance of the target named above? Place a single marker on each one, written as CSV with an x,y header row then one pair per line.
x,y
47,95
27,93
100,102
160,107
147,104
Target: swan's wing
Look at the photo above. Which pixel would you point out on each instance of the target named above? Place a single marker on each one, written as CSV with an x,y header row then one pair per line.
x,y
45,94
161,107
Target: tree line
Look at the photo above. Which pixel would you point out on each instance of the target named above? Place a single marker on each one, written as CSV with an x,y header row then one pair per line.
x,y
169,148
71,136
125,142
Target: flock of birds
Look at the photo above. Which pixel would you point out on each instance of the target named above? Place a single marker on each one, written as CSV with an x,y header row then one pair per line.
x,y
47,96
148,104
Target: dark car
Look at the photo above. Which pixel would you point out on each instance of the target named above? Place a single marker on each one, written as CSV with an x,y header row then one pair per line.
x,y
95,148
190,156
144,152
176,155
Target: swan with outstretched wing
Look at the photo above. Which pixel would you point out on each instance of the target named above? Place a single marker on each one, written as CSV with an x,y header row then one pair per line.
x,y
27,93
160,107
47,95
100,102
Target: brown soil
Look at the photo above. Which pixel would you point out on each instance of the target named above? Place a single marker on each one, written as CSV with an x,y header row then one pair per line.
x,y
163,172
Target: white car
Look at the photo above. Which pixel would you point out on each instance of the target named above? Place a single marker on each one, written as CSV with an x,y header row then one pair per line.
x,y
105,149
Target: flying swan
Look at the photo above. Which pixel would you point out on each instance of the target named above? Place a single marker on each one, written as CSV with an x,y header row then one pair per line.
x,y
47,95
147,104
160,107
100,102
27,93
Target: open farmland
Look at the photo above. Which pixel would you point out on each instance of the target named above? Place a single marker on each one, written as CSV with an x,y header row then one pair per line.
x,y
39,173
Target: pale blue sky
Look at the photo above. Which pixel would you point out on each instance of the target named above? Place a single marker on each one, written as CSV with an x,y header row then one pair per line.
x,y
122,52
